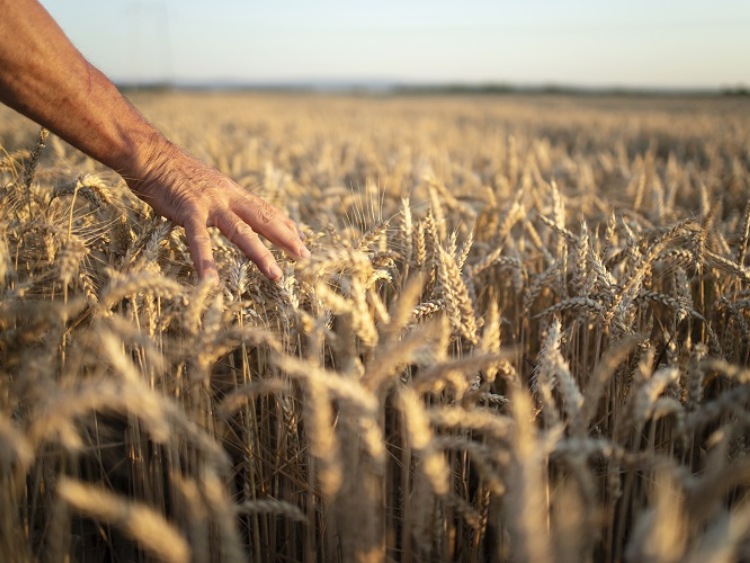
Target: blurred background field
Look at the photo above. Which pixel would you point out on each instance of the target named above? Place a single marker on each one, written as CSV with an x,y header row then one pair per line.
x,y
522,335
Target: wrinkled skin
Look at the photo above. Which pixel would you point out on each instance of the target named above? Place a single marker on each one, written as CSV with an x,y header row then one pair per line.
x,y
189,193
44,77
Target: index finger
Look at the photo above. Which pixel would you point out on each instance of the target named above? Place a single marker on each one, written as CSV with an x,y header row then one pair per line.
x,y
265,219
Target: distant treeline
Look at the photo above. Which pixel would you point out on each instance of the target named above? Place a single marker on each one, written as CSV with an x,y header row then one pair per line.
x,y
427,89
555,89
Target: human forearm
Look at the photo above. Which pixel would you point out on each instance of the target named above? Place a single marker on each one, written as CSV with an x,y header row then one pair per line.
x,y
45,78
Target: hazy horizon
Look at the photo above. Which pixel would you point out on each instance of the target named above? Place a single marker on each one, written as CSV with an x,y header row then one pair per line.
x,y
581,43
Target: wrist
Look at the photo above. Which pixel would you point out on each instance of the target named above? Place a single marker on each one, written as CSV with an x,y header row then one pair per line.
x,y
145,158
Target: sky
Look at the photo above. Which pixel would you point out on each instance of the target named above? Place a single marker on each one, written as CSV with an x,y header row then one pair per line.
x,y
589,43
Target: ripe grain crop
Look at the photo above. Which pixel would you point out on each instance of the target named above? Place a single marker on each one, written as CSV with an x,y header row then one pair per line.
x,y
522,335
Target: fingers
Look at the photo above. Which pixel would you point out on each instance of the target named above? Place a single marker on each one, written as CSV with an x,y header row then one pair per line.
x,y
272,224
199,242
247,240
215,200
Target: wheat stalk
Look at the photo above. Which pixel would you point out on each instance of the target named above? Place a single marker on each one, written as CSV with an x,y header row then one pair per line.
x,y
140,522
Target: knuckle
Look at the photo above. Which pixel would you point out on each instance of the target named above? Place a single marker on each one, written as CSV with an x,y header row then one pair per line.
x,y
265,211
197,233
194,216
246,231
239,231
192,226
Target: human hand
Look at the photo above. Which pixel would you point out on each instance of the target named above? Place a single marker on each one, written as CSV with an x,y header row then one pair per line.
x,y
196,196
47,79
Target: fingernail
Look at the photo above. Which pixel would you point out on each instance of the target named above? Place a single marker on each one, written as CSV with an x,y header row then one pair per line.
x,y
304,252
274,271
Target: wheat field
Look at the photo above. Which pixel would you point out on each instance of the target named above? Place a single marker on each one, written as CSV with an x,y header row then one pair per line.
x,y
523,335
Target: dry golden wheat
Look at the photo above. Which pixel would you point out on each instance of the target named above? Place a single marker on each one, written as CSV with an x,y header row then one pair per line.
x,y
522,336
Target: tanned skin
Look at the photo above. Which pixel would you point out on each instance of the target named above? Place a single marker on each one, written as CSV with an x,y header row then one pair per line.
x,y
44,77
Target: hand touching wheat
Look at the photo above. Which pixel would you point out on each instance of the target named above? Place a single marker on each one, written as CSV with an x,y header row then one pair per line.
x,y
44,77
196,196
